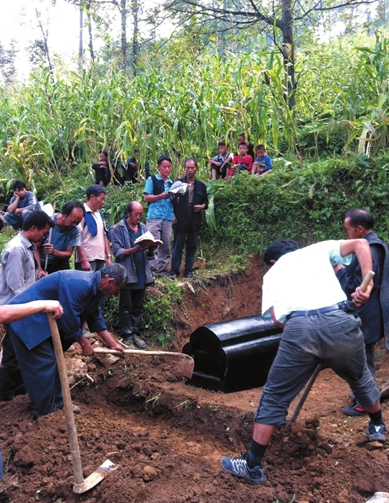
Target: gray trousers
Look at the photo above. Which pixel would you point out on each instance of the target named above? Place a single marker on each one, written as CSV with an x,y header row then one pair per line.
x,y
161,229
334,338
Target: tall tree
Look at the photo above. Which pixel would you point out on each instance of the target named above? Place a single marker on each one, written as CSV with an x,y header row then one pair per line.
x,y
7,62
281,16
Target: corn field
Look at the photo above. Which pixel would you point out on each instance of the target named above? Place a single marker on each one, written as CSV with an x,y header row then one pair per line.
x,y
64,119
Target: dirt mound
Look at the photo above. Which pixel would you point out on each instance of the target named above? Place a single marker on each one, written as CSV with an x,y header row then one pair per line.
x,y
168,438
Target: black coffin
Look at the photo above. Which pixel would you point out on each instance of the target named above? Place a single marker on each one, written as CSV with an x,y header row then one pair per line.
x,y
233,355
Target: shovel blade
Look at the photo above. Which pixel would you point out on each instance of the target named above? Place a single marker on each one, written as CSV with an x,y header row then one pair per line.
x,y
94,478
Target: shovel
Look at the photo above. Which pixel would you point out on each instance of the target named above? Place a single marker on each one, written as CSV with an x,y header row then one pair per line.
x,y
184,366
80,486
320,366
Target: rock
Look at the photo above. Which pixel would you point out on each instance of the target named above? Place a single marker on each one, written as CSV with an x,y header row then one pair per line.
x,y
149,473
76,369
372,446
24,457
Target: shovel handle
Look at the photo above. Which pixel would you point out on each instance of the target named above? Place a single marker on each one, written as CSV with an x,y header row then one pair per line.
x,y
365,283
70,422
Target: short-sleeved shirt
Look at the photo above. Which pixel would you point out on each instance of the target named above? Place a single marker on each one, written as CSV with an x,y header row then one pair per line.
x,y
61,240
220,158
247,160
28,201
266,161
163,208
303,280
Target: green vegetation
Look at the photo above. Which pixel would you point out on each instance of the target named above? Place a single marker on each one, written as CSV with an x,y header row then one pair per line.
x,y
329,152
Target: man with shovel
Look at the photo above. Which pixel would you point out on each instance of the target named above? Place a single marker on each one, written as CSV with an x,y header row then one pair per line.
x,y
79,293
374,314
302,294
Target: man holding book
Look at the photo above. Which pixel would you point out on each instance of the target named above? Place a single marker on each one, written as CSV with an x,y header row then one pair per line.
x,y
133,246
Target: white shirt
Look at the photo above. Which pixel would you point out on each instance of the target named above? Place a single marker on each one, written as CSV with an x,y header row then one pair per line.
x,y
303,280
94,247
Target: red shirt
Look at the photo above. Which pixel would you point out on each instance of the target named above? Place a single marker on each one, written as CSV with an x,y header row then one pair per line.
x,y
247,160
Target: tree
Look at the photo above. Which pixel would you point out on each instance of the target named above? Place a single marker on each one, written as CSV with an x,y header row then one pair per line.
x,y
7,62
280,16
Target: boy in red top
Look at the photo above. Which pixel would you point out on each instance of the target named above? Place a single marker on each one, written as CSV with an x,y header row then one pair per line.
x,y
240,162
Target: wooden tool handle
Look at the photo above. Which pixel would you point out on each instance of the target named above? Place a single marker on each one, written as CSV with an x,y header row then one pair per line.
x,y
71,425
141,352
369,276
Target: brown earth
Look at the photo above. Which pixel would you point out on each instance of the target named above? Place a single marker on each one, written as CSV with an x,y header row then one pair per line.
x,y
167,438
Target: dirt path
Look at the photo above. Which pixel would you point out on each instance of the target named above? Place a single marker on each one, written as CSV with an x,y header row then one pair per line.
x,y
168,437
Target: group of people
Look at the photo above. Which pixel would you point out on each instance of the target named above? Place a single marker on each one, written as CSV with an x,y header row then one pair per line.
x,y
36,265
313,293
105,172
227,164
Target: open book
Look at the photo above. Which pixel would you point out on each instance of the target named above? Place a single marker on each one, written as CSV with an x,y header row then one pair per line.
x,y
147,236
178,187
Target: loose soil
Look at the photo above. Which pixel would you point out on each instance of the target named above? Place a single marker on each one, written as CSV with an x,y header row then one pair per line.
x,y
168,438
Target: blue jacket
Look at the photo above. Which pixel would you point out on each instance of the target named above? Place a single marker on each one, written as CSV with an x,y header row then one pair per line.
x,y
77,292
120,242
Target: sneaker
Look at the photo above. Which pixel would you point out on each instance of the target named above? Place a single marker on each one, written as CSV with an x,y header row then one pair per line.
x,y
376,432
189,275
127,342
172,276
354,410
139,343
238,467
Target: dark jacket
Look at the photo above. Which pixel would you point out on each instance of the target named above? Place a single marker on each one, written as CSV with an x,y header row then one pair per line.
x,y
375,313
120,242
181,208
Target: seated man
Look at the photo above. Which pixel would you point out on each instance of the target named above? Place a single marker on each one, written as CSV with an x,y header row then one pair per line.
x,y
102,171
241,162
131,174
222,162
262,164
54,255
22,203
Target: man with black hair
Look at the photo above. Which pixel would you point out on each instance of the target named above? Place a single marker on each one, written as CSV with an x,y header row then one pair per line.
x,y
160,214
188,208
18,271
302,294
94,251
374,314
65,236
79,294
102,170
22,203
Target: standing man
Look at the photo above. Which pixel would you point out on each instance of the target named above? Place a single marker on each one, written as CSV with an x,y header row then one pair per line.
x,y
375,313
65,236
22,203
302,294
160,214
79,294
18,271
94,252
187,209
135,258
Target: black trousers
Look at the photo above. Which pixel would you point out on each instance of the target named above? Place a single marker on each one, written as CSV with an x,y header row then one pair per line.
x,y
131,309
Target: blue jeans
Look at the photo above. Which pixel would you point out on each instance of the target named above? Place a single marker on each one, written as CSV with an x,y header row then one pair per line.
x,y
333,338
16,221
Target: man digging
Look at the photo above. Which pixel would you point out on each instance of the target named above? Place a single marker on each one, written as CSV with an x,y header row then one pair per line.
x,y
302,294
